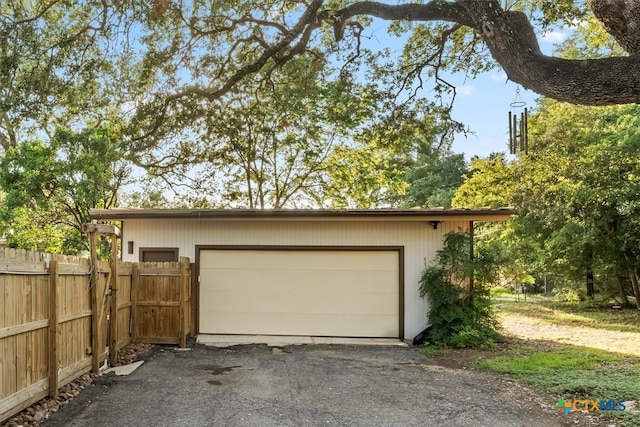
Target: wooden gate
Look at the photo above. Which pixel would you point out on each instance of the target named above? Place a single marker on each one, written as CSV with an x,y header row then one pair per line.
x,y
162,309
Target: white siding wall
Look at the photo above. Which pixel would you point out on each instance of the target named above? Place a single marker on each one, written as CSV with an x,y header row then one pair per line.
x,y
419,239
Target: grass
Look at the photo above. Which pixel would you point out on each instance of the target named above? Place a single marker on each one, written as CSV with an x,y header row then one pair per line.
x,y
570,314
574,373
571,372
524,361
433,351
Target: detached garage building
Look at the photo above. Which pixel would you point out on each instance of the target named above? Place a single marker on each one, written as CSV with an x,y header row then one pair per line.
x,y
335,273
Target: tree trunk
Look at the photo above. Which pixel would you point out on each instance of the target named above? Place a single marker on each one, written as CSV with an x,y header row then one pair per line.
x,y
622,281
472,259
634,279
636,289
588,255
620,19
591,291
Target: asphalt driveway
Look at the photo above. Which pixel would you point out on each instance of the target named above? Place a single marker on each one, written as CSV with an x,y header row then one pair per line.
x,y
307,385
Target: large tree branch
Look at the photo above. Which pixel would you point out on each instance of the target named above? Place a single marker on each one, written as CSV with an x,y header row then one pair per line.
x,y
302,30
621,19
513,44
436,10
508,35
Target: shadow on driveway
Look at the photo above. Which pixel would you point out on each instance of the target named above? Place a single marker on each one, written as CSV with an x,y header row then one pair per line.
x,y
307,385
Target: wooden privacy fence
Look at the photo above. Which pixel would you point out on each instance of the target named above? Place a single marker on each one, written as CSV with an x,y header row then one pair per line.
x,y
61,317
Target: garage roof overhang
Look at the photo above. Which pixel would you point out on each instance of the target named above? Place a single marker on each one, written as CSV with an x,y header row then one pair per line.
x,y
438,214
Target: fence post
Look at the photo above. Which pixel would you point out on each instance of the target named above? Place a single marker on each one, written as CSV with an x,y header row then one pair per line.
x,y
192,303
184,281
95,320
134,302
53,328
113,314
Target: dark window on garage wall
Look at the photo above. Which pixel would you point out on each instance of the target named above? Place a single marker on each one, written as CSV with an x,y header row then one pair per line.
x,y
158,254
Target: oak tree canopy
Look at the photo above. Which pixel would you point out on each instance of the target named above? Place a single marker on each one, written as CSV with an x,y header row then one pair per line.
x,y
224,43
508,34
88,60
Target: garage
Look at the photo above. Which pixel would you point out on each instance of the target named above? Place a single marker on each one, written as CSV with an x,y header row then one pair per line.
x,y
299,272
335,292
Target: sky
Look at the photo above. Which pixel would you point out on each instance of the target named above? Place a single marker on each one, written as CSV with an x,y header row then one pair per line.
x,y
483,103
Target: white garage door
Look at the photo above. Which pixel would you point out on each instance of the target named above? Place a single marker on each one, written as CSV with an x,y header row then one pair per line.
x,y
311,292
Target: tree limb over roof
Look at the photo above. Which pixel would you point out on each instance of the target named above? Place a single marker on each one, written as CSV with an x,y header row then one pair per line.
x,y
270,40
513,44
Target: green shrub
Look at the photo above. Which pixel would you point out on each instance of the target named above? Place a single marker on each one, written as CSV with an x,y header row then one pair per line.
x,y
459,315
501,291
570,295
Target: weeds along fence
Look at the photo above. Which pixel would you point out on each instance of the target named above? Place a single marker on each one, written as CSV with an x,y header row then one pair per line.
x,y
61,317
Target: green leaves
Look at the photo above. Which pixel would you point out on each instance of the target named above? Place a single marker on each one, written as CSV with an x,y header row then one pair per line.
x,y
489,183
57,65
50,187
433,179
28,170
575,194
272,145
460,314
400,159
581,184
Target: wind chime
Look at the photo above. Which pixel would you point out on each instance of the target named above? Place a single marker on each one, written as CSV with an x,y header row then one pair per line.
x,y
518,142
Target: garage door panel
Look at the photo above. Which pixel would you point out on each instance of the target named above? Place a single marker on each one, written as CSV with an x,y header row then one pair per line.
x,y
296,267
300,280
277,260
311,302
289,324
276,292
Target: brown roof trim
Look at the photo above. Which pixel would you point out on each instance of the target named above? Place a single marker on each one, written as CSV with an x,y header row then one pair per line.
x,y
454,214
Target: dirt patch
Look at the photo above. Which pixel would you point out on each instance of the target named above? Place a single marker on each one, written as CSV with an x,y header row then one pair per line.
x,y
534,329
